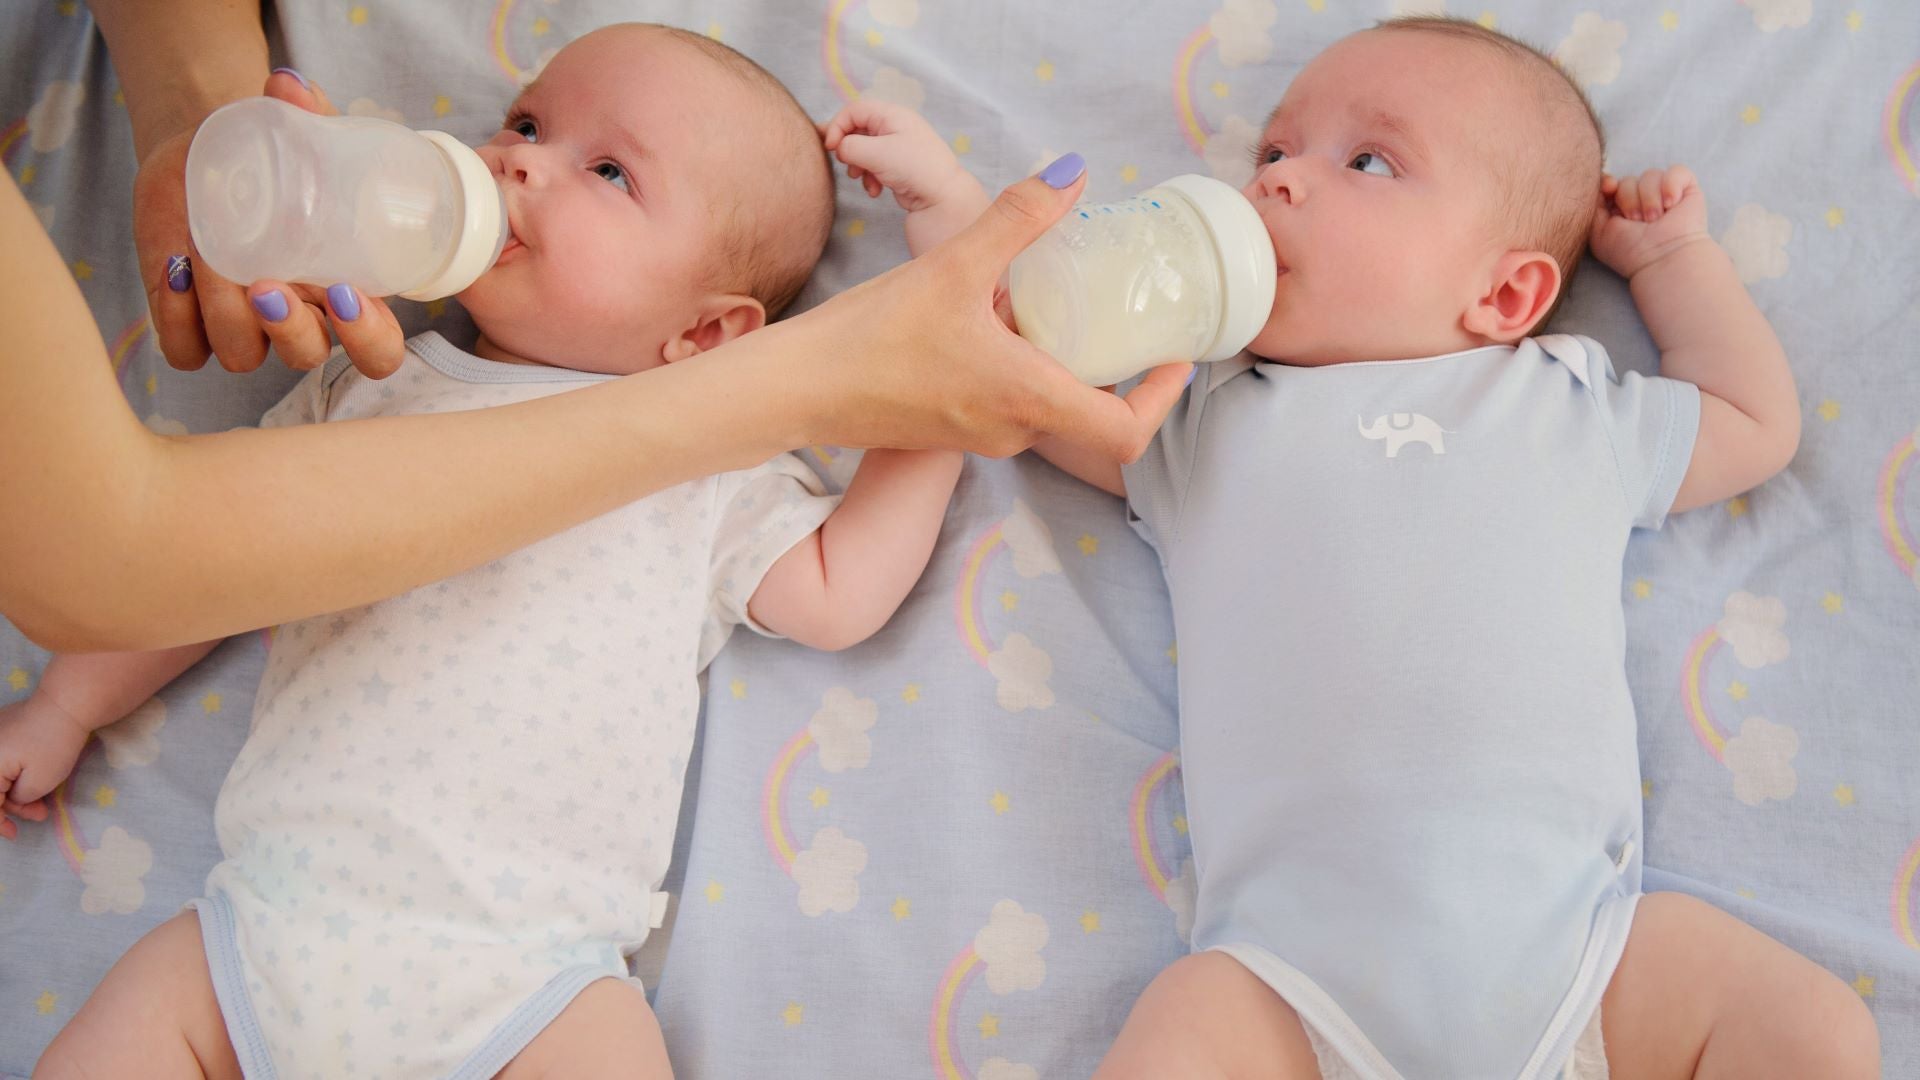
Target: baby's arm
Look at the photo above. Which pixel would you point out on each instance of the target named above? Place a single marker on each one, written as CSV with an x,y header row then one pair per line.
x,y
842,583
1653,231
892,148
41,736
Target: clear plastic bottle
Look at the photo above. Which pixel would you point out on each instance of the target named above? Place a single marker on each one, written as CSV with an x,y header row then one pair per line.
x,y
274,191
1182,271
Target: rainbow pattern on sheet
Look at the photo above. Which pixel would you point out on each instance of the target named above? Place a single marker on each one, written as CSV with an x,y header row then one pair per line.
x,y
837,12
773,808
1191,125
1699,654
940,1032
967,603
1892,489
497,38
68,837
1903,890
1144,853
10,135
1902,128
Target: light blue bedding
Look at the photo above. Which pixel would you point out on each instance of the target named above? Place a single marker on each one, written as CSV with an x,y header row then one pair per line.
x,y
957,850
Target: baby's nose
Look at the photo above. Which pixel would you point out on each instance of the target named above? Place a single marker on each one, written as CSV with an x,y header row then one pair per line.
x,y
1279,180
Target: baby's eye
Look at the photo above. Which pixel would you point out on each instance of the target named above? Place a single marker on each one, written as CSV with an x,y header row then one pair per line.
x,y
1267,154
1369,162
612,174
525,128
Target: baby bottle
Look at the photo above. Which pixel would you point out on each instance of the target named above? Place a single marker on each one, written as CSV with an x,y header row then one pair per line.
x,y
1182,271
274,191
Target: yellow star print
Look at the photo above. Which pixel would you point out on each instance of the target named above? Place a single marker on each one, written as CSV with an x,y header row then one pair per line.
x,y
818,798
1835,217
1646,789
1750,114
436,308
1642,589
901,909
738,688
1009,600
911,694
17,678
1737,690
1863,985
541,26
27,174
1853,20
856,227
1000,802
105,796
1831,603
1487,19
1173,653
442,105
1180,824
358,16
1044,71
713,31
715,891
1089,544
211,703
1669,20
1219,89
1843,794
1316,5
989,1026
793,1013
82,270
1129,173
153,386
1090,922
46,1001
67,7
874,39
962,143
1737,506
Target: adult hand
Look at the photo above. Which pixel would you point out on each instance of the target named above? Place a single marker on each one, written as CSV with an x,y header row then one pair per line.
x,y
922,356
195,310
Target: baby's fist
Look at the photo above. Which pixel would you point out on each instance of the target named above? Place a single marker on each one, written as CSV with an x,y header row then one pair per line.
x,y
39,744
890,147
1638,220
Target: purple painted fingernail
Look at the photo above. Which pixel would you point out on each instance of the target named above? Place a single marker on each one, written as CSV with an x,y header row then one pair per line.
x,y
1190,375
344,302
1064,171
272,306
295,74
179,273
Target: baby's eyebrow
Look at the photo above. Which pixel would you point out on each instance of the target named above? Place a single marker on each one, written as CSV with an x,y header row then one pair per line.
x,y
1400,129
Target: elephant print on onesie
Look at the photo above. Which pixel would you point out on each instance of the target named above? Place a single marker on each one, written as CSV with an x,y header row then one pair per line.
x,y
1399,429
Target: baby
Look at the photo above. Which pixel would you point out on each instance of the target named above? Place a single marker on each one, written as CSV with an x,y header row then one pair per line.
x,y
445,833
1401,520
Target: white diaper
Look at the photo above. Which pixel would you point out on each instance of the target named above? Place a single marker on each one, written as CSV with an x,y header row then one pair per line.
x,y
1589,1060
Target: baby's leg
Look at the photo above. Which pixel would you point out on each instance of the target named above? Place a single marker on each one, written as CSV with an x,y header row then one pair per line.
x,y
154,1015
607,1030
1700,993
1208,1016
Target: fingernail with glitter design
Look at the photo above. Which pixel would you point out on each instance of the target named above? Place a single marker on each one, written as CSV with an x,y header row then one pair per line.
x,y
295,74
1064,171
272,306
344,302
179,273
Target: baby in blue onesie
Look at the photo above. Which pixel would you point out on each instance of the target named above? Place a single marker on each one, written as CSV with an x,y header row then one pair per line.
x,y
446,832
1393,534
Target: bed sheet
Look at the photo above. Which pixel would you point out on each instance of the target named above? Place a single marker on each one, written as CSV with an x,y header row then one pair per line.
x,y
958,849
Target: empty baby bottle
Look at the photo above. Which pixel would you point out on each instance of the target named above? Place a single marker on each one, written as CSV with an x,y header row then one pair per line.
x,y
274,191
1182,271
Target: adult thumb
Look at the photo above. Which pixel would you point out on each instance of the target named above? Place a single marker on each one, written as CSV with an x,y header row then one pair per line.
x,y
1023,212
293,88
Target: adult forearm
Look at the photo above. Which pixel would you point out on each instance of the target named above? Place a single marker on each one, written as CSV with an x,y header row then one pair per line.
x,y
178,60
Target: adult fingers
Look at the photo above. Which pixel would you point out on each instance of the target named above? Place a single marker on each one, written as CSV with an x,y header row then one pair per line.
x,y
1118,427
368,330
293,88
231,324
174,307
296,327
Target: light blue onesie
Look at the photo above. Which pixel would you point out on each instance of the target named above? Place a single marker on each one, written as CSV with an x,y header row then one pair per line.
x,y
1407,741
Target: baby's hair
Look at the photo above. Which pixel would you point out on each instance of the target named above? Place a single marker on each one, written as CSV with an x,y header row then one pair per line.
x,y
770,258
1550,199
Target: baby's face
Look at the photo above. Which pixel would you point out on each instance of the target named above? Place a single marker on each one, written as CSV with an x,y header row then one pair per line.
x,y
609,165
1375,178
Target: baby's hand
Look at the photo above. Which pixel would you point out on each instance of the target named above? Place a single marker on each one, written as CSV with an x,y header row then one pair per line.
x,y
1639,220
891,147
39,743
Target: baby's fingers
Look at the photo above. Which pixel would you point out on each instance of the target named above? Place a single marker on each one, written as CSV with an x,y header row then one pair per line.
x,y
1650,205
1675,185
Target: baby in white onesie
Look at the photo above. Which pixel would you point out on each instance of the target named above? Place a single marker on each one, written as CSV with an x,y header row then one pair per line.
x,y
1393,535
445,833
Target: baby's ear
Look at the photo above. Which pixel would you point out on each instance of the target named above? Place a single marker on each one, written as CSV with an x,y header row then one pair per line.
x,y
718,320
1519,294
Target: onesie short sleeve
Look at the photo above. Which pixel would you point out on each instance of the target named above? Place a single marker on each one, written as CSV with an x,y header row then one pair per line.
x,y
1650,421
1157,483
760,514
306,403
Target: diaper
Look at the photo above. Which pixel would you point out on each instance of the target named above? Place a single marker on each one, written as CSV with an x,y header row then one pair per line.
x,y
1589,1060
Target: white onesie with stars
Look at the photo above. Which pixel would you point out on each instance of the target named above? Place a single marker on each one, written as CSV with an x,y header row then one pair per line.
x,y
455,807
